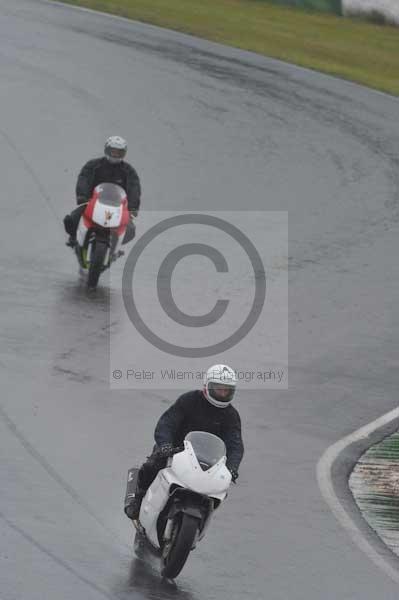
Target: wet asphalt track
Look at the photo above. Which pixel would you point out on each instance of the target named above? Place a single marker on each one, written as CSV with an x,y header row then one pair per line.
x,y
210,122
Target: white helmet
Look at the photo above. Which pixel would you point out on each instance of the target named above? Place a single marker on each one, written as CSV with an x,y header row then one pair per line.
x,y
220,385
115,149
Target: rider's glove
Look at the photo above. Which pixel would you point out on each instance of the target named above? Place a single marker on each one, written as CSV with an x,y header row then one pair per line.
x,y
234,474
133,213
166,450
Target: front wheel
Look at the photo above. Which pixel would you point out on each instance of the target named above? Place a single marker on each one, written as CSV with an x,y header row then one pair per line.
x,y
177,550
96,267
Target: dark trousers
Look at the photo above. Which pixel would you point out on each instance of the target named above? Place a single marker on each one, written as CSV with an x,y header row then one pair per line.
x,y
71,223
129,233
149,470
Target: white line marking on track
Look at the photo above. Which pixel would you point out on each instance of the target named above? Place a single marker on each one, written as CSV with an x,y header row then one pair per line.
x,y
324,479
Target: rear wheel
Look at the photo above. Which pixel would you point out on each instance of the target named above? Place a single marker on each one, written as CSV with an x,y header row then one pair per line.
x,y
96,264
177,550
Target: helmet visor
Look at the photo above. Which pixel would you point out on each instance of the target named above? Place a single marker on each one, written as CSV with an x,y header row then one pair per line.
x,y
116,153
221,392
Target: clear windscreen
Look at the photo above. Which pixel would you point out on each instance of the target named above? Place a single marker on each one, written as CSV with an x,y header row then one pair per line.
x,y
208,448
110,194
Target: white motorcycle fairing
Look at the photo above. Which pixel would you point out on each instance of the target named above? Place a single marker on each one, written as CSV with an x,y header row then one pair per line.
x,y
107,216
81,232
184,471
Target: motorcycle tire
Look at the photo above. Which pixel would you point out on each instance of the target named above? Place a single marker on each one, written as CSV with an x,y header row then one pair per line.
x,y
96,264
183,538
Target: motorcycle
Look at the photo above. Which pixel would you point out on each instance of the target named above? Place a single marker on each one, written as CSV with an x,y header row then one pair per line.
x,y
101,230
178,506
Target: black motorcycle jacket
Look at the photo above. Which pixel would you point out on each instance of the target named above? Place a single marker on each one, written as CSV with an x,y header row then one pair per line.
x,y
193,412
100,170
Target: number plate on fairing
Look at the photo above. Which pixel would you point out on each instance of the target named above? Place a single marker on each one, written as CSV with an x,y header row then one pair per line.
x,y
107,216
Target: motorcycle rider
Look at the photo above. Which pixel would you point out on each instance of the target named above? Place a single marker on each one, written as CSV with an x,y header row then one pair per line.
x,y
208,410
110,168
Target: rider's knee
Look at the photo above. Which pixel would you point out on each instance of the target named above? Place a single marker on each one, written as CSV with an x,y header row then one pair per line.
x,y
68,224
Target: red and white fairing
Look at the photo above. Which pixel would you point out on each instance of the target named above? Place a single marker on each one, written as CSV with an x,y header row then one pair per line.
x,y
107,209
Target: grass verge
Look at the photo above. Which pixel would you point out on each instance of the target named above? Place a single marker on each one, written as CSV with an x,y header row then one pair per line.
x,y
344,47
375,486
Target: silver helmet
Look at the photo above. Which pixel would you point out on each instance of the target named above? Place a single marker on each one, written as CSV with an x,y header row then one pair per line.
x,y
115,149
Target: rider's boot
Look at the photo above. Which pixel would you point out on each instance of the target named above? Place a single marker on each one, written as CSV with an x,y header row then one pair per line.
x,y
70,228
132,510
